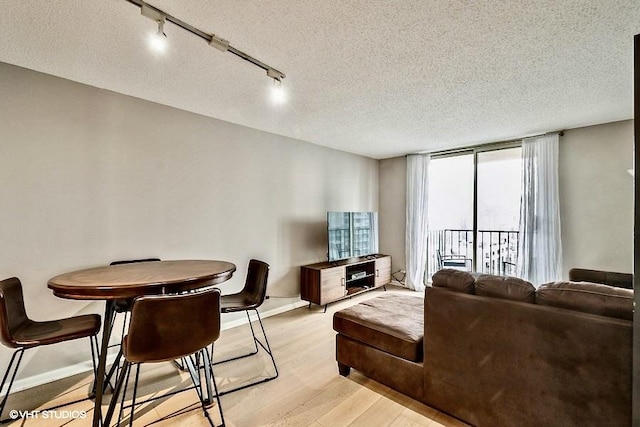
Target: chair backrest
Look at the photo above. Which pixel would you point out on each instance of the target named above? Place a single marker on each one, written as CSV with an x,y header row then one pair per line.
x,y
132,261
168,327
12,311
255,285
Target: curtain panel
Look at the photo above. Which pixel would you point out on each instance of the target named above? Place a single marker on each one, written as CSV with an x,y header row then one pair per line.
x,y
540,248
416,217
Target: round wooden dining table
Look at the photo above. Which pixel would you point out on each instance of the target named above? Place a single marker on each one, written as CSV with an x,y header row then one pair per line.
x,y
127,281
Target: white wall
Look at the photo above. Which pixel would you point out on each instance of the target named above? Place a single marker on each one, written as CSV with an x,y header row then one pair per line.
x,y
596,204
89,176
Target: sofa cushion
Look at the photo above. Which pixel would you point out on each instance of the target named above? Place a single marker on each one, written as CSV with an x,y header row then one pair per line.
x,y
587,297
510,288
456,280
392,323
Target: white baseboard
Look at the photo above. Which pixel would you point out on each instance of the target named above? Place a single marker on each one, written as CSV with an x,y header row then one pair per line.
x,y
50,376
82,367
265,314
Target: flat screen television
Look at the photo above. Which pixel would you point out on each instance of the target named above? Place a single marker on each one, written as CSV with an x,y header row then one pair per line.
x,y
352,234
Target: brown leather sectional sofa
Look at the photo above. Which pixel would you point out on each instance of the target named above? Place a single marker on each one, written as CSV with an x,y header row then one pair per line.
x,y
494,351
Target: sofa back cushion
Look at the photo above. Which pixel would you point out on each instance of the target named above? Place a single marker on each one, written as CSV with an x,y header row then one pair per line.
x,y
619,280
510,288
455,280
588,297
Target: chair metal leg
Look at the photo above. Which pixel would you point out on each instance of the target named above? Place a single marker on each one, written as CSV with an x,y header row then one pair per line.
x,y
95,356
116,391
135,392
93,341
254,351
253,333
268,347
195,363
180,364
192,365
208,368
124,393
265,346
115,368
19,352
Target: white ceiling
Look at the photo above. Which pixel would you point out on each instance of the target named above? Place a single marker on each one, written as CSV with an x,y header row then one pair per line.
x,y
377,78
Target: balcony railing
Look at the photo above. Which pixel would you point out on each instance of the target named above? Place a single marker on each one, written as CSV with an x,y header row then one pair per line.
x,y
497,251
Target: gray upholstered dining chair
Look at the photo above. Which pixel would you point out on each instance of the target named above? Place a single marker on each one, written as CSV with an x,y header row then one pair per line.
x,y
19,332
249,299
168,327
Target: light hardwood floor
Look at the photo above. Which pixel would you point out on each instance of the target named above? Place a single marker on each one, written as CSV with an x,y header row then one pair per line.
x,y
308,391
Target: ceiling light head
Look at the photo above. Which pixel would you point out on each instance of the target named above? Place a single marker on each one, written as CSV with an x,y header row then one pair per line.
x,y
278,96
158,41
160,32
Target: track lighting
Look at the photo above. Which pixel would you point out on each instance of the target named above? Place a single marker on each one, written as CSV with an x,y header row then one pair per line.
x,y
277,92
217,42
160,32
157,41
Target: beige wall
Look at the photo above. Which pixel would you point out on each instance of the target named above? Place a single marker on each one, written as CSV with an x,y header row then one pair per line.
x,y
596,197
88,176
596,204
392,216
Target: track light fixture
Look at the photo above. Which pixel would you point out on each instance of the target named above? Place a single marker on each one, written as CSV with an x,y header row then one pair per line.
x,y
158,41
160,32
278,96
217,42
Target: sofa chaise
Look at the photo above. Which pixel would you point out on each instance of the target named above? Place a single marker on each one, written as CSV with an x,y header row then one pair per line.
x,y
494,351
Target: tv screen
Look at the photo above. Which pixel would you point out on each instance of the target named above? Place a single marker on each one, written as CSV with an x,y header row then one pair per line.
x,y
352,234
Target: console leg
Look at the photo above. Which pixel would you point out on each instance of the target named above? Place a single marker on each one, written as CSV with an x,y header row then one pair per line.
x,y
325,308
343,369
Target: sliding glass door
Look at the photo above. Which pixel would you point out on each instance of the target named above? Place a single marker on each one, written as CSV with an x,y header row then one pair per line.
x,y
498,210
450,211
474,203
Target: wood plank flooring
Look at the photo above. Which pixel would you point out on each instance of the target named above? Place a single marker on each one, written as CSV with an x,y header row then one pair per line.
x,y
308,391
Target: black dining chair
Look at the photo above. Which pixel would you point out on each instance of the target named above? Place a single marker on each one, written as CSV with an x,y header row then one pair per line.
x,y
168,327
249,299
123,306
19,332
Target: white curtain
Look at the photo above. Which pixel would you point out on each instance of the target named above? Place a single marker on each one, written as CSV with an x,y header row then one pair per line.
x,y
540,249
416,229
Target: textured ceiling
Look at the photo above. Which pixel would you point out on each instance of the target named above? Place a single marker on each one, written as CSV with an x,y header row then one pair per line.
x,y
377,78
